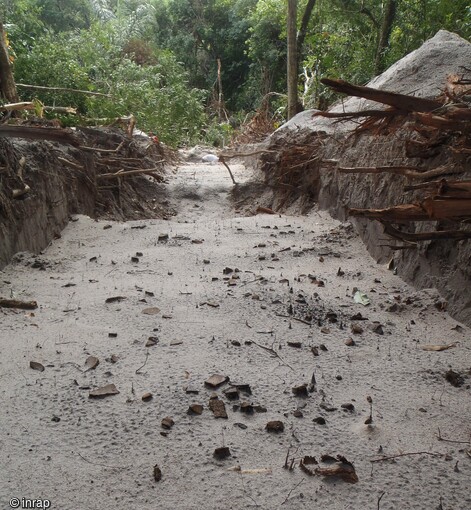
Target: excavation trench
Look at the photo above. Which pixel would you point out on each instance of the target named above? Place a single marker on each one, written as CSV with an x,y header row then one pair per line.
x,y
266,300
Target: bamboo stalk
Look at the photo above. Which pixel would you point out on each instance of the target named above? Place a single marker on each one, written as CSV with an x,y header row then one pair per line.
x,y
62,89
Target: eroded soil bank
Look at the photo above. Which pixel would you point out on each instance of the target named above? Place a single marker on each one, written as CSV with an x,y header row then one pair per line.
x,y
265,300
300,168
43,183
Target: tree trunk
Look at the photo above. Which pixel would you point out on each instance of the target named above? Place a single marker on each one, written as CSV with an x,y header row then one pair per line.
x,y
304,23
7,82
292,70
386,28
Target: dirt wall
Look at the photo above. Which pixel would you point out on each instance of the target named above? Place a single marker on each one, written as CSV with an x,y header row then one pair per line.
x,y
30,222
444,265
61,180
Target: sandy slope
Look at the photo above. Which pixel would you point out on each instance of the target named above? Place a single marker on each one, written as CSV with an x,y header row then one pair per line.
x,y
101,453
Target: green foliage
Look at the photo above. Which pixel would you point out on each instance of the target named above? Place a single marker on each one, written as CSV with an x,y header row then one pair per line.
x,y
157,95
158,58
218,134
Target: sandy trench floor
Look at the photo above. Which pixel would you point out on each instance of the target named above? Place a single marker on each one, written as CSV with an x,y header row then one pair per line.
x,y
84,453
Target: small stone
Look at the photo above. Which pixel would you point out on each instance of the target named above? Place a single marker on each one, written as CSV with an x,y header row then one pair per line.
x,y
246,407
55,419
157,473
222,453
206,261
378,328
151,341
104,391
167,423
275,426
260,409
112,335
35,365
356,329
218,408
319,420
338,377
300,391
297,345
195,409
349,342
92,362
227,270
244,388
235,343
135,259
163,237
147,396
298,414
232,393
454,378
216,380
240,425
315,350
326,407
348,407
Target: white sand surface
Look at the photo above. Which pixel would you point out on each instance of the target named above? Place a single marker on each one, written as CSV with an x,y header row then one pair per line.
x,y
84,453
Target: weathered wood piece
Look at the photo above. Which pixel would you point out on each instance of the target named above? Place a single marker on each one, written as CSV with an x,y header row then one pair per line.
x,y
39,133
15,303
399,101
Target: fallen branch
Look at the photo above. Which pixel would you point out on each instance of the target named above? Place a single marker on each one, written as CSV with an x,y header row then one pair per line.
x,y
407,171
390,457
432,208
145,363
127,173
97,149
245,154
100,464
39,133
381,114
62,89
273,353
28,105
443,187
70,163
14,303
425,236
398,214
440,438
445,123
399,101
221,159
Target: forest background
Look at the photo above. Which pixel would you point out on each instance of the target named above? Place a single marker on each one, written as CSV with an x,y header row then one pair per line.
x,y
194,71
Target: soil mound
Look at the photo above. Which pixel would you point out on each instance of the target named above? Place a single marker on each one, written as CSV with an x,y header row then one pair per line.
x,y
102,173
